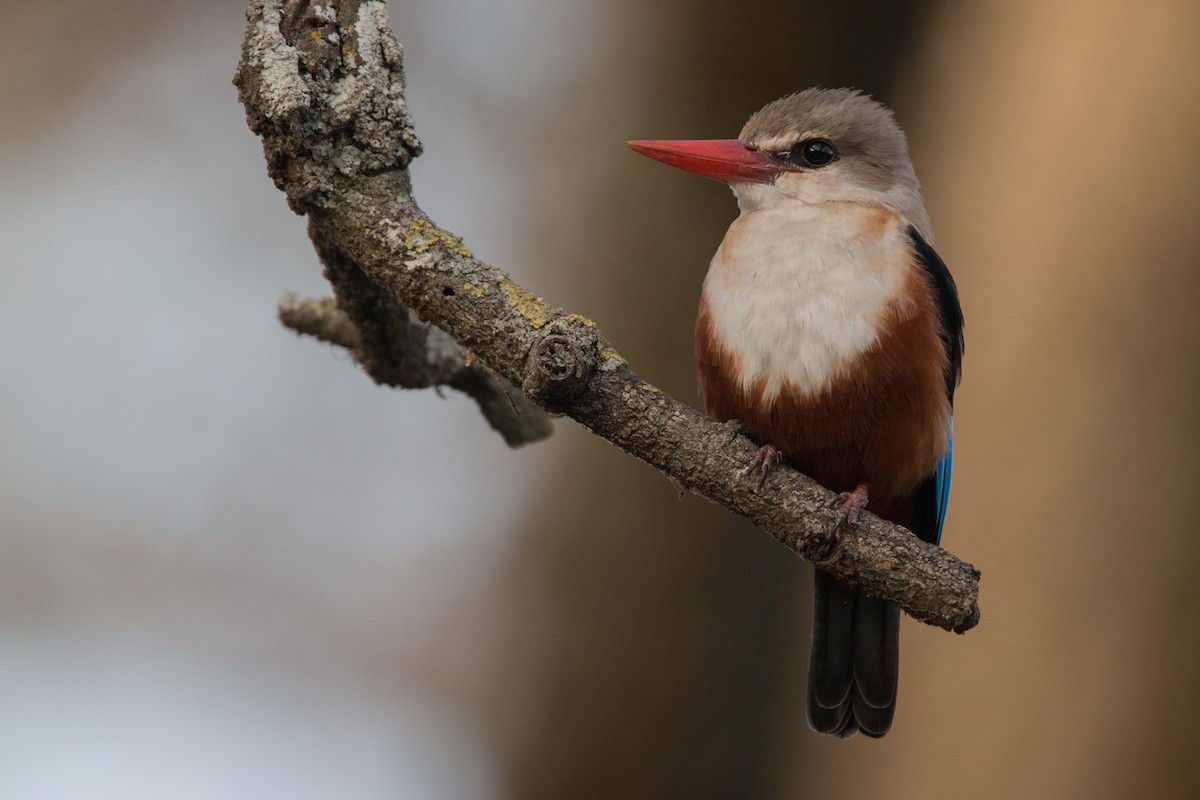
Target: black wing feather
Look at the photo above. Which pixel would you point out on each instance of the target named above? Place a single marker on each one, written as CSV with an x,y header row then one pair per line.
x,y
927,512
945,294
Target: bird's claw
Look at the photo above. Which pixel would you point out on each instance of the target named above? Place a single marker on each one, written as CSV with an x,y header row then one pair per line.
x,y
763,462
850,504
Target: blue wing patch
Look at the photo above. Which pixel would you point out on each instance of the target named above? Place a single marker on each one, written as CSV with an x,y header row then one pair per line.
x,y
942,480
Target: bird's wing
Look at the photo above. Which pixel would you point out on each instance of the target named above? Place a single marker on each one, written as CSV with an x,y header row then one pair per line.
x,y
945,294
934,492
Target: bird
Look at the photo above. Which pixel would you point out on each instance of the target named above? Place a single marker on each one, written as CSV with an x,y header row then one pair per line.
x,y
831,331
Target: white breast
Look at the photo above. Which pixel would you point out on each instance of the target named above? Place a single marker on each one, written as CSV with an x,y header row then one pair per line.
x,y
797,291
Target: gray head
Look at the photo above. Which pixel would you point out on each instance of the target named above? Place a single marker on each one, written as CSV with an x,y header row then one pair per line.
x,y
844,147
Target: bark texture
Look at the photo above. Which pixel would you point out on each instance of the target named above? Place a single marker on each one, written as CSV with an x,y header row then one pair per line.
x,y
323,85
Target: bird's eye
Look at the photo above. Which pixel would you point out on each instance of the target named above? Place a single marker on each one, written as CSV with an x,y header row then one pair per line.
x,y
814,153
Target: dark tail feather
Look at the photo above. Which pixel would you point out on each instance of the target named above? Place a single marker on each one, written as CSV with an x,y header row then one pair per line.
x,y
876,664
854,663
830,670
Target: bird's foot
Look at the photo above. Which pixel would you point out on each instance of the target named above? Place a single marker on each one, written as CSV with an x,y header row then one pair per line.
x,y
763,462
850,504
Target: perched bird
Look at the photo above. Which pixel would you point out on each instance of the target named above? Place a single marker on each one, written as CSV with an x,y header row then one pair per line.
x,y
831,330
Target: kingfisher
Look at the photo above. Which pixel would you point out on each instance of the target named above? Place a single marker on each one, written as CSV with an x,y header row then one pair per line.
x,y
831,331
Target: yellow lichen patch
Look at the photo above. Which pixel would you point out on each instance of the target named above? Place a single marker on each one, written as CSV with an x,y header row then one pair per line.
x,y
315,36
648,388
582,320
473,289
533,308
421,235
608,353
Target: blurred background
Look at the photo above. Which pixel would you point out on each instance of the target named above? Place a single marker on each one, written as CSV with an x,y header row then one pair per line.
x,y
230,566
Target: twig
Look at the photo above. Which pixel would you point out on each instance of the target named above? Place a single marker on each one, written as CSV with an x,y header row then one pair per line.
x,y
320,318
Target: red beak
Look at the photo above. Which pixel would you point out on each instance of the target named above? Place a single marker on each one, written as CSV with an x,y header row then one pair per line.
x,y
727,160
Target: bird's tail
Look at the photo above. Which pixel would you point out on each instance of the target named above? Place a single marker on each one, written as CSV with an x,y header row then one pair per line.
x,y
855,661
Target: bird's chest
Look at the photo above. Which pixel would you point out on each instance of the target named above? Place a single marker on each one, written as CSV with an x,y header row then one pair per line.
x,y
795,296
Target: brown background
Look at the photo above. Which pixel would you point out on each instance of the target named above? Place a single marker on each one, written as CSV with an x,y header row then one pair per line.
x,y
200,515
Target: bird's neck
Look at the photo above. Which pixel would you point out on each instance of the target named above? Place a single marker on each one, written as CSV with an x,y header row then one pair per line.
x,y
797,292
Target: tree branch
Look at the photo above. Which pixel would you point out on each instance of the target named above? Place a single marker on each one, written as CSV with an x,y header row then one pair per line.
x,y
323,85
320,318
